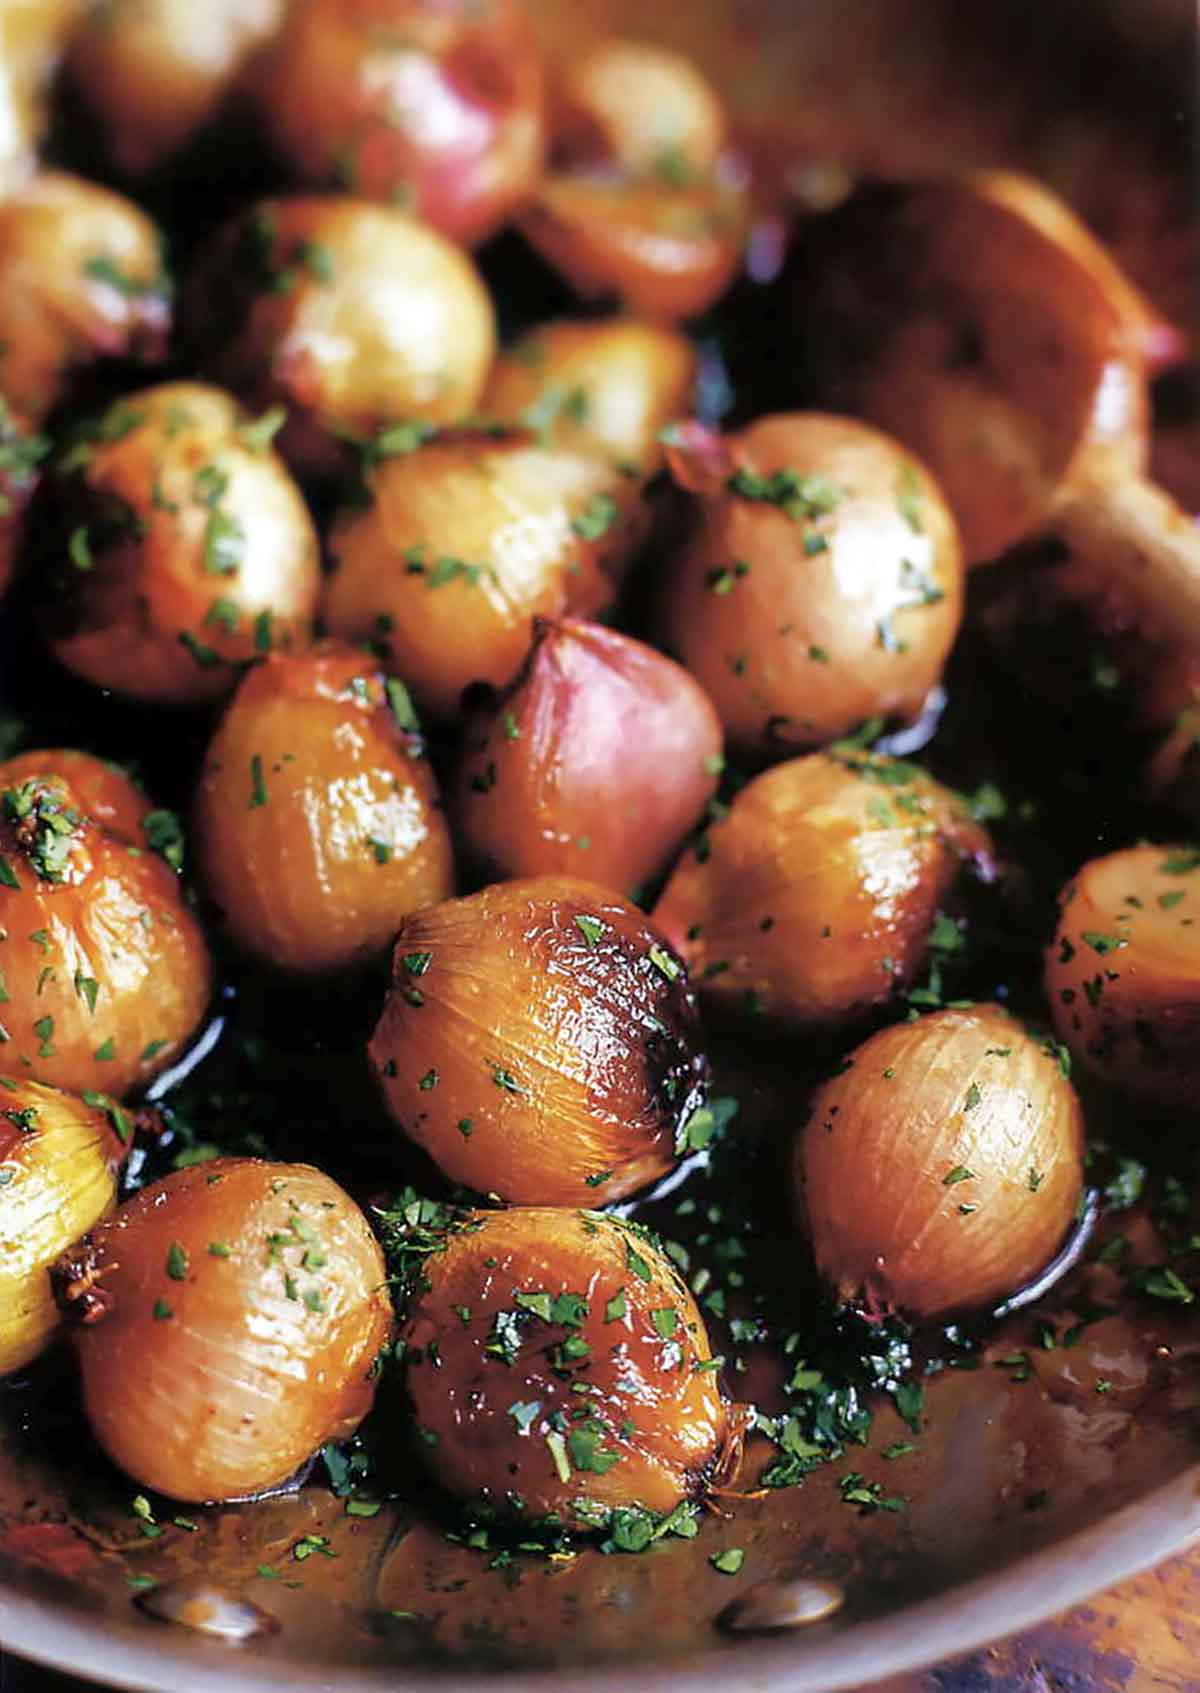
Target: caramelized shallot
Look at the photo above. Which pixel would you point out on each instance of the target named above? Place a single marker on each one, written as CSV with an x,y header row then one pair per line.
x,y
539,1040
556,1362
597,762
244,1306
810,902
942,1167
1123,973
59,1157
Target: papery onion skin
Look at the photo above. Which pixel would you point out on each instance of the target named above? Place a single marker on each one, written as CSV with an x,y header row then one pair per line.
x,y
1123,973
155,73
105,969
80,279
638,1342
942,1168
463,544
318,820
183,548
352,316
596,763
229,1317
59,1158
664,252
639,106
540,1042
803,622
605,387
437,107
809,904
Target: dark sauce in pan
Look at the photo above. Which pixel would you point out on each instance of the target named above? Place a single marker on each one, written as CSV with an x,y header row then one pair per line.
x,y
913,1460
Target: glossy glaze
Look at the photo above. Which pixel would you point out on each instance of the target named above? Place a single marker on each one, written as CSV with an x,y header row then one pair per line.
x,y
58,1167
179,548
630,103
943,1166
434,107
1123,973
664,252
464,542
810,901
351,315
802,620
319,823
225,1322
548,1018
105,968
608,385
600,1399
80,279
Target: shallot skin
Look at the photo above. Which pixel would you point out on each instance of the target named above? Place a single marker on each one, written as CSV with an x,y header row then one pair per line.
x,y
464,543
182,548
821,584
353,316
521,1309
540,1042
228,1319
809,904
59,1158
1123,974
106,970
664,252
432,105
319,823
606,386
941,1169
597,763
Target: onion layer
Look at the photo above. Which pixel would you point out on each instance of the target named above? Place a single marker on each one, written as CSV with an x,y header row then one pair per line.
x,y
539,1041
228,1320
942,1168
